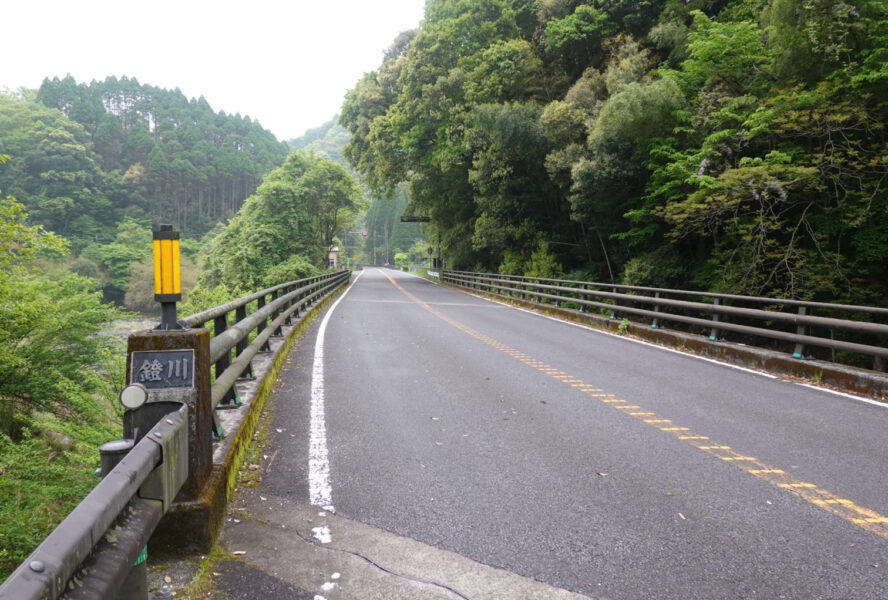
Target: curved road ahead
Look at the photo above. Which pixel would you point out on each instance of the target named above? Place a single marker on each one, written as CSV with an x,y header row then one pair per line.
x,y
588,461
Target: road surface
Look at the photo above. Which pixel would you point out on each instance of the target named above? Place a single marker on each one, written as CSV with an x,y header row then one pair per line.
x,y
588,461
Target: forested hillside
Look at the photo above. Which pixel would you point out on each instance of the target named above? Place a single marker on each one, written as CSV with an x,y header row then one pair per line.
x,y
327,140
283,231
84,156
387,235
734,146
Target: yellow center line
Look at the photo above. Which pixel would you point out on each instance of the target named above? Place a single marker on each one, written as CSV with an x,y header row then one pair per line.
x,y
846,509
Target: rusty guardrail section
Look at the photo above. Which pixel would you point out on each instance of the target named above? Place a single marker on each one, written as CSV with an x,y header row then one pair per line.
x,y
167,452
783,324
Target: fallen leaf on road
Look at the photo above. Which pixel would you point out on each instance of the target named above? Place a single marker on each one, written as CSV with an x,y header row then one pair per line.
x,y
238,552
601,474
543,402
168,579
682,517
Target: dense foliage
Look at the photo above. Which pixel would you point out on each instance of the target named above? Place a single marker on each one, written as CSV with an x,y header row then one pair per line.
x,y
386,236
101,164
84,156
733,145
284,231
55,370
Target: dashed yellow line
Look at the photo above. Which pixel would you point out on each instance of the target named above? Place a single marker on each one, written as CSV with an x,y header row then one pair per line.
x,y
841,507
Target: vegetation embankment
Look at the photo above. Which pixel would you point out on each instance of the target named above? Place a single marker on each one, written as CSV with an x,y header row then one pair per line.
x,y
736,146
59,376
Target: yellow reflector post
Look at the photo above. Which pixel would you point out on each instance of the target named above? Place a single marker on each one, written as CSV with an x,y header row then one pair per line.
x,y
167,270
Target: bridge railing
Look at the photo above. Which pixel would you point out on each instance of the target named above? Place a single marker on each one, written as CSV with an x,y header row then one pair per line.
x,y
785,324
248,334
92,553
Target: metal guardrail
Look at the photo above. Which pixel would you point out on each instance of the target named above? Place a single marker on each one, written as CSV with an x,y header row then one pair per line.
x,y
91,553
717,316
275,307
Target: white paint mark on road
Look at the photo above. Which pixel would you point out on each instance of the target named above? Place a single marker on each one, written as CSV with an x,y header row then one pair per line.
x,y
322,534
319,491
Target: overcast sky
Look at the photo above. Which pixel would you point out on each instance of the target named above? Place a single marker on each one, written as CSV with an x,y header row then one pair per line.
x,y
285,63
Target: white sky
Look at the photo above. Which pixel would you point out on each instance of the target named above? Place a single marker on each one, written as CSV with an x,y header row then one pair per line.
x,y
285,63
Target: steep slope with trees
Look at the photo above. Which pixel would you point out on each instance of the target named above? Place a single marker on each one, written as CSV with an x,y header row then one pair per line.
x,y
736,146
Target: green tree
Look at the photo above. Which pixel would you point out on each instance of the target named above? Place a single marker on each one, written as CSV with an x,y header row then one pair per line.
x,y
48,343
295,212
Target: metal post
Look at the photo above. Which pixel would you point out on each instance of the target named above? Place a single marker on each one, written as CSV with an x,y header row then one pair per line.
x,y
289,319
800,330
260,304
713,334
240,313
279,331
230,399
656,320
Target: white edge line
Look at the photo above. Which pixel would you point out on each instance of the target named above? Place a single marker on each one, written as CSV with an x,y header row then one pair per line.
x,y
687,354
320,491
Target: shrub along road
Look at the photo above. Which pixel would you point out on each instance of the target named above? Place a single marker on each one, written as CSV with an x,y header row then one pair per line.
x,y
444,427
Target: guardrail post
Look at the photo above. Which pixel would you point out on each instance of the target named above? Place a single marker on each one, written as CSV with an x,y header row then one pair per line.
x,y
231,399
656,322
289,319
713,334
800,330
260,304
240,313
279,331
583,296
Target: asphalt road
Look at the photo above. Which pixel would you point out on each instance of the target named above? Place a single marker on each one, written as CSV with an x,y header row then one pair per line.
x,y
588,461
